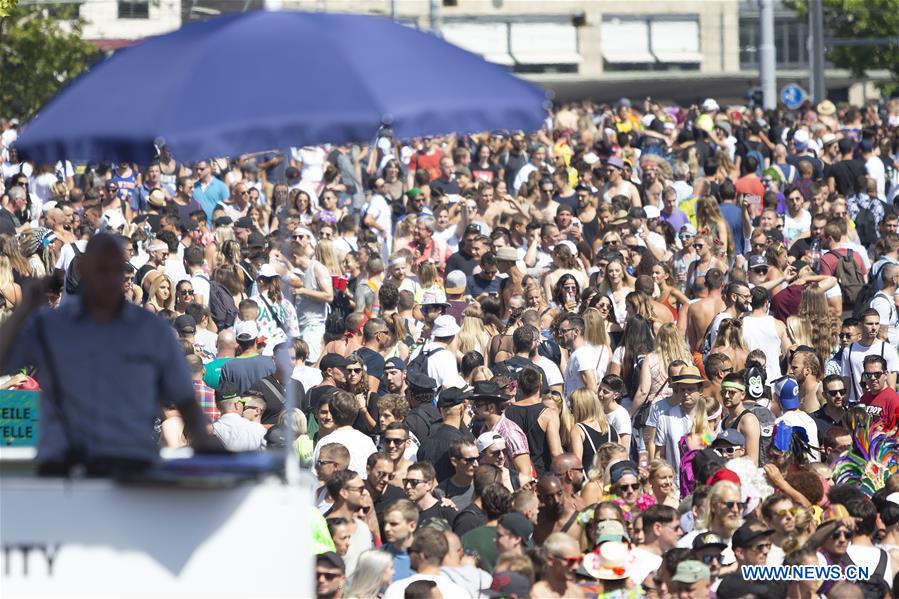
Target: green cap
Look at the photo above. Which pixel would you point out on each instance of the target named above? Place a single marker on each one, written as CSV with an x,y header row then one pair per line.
x,y
610,530
415,191
690,571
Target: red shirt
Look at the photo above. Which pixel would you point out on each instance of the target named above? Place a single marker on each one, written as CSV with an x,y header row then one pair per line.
x,y
884,406
429,162
750,185
829,261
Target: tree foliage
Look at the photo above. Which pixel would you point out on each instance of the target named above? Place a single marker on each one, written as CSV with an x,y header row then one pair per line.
x,y
41,50
860,19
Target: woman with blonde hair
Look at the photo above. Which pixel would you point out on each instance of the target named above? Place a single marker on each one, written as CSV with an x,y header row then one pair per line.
x,y
729,342
597,472
597,335
324,253
472,336
661,483
654,385
710,220
9,247
428,280
591,428
10,291
616,284
814,325
159,292
535,299
372,575
555,401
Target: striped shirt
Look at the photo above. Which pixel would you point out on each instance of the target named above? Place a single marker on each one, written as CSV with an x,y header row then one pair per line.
x,y
516,440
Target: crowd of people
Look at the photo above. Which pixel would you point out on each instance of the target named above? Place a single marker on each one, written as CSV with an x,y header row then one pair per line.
x,y
627,354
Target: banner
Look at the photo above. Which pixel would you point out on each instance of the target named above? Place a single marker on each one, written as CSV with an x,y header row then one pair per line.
x,y
19,418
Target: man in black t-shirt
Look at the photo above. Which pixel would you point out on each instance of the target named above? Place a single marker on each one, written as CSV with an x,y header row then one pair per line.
x,y
843,175
332,366
419,485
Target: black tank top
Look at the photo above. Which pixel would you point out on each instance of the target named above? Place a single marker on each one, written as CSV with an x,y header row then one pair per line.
x,y
526,417
593,440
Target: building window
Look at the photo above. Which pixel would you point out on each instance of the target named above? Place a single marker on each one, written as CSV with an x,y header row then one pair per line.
x,y
134,9
651,43
790,41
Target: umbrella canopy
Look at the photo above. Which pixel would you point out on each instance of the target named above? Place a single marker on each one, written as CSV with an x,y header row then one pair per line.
x,y
263,80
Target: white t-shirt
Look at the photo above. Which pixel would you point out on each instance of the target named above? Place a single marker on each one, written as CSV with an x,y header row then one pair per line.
x,y
856,353
207,339
585,358
551,369
200,283
620,420
447,587
876,170
793,227
441,364
358,444
886,307
643,563
673,424
67,254
239,434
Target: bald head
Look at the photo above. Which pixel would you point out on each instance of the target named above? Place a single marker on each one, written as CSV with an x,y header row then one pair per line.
x,y
549,484
226,340
564,462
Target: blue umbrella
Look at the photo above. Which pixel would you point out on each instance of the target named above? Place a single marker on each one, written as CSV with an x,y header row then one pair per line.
x,y
263,80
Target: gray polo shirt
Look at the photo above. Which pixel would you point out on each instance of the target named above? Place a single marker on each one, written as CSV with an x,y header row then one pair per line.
x,y
113,377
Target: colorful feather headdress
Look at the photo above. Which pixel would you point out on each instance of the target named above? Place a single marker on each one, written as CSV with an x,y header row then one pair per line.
x,y
874,456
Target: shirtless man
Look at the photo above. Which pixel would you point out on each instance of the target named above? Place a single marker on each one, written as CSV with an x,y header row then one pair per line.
x,y
490,209
555,512
694,321
616,185
563,557
395,442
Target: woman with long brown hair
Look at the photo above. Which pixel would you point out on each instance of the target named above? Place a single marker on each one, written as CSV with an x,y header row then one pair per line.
x,y
729,341
663,277
669,346
616,284
814,325
710,220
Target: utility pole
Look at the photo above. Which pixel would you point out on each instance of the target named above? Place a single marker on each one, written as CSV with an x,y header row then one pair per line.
x,y
435,17
393,10
817,84
767,56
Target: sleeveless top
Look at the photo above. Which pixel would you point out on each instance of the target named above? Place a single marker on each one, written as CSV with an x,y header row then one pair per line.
x,y
759,332
311,311
526,417
593,440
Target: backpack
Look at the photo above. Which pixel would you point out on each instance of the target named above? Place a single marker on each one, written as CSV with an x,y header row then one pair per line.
x,y
867,293
866,227
419,363
876,587
73,277
766,426
848,274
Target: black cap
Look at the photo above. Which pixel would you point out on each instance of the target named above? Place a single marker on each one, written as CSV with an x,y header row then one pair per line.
x,y
332,361
222,221
332,559
519,526
450,397
256,240
244,222
750,532
636,213
394,362
421,381
185,324
226,390
487,391
708,539
508,583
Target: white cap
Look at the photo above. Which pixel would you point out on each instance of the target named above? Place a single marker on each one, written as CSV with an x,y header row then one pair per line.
x,y
488,439
114,220
591,158
445,326
157,246
652,211
710,105
246,330
268,271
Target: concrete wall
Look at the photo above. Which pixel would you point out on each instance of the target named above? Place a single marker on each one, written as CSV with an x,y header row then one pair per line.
x,y
103,22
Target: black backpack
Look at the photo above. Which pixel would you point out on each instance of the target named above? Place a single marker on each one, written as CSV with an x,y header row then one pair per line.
x,y
419,363
866,227
73,277
851,279
876,587
867,293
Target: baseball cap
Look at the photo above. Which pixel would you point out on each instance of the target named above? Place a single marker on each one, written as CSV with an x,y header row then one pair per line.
x,y
451,397
486,440
455,282
800,139
267,271
186,324
246,330
157,246
690,571
421,381
256,240
748,533
519,526
619,469
787,390
757,261
396,363
652,212
244,222
223,221
332,360
724,474
507,254
708,539
610,530
332,559
710,105
730,436
508,583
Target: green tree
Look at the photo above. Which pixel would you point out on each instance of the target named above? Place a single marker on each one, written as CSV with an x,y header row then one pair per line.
x,y
41,50
860,19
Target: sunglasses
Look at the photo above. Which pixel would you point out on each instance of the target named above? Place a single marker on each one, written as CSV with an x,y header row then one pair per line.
x,y
571,562
470,461
836,392
412,481
734,504
872,375
390,441
784,513
630,487
699,246
327,575
387,475
321,463
353,370
708,559
729,449
841,533
762,270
